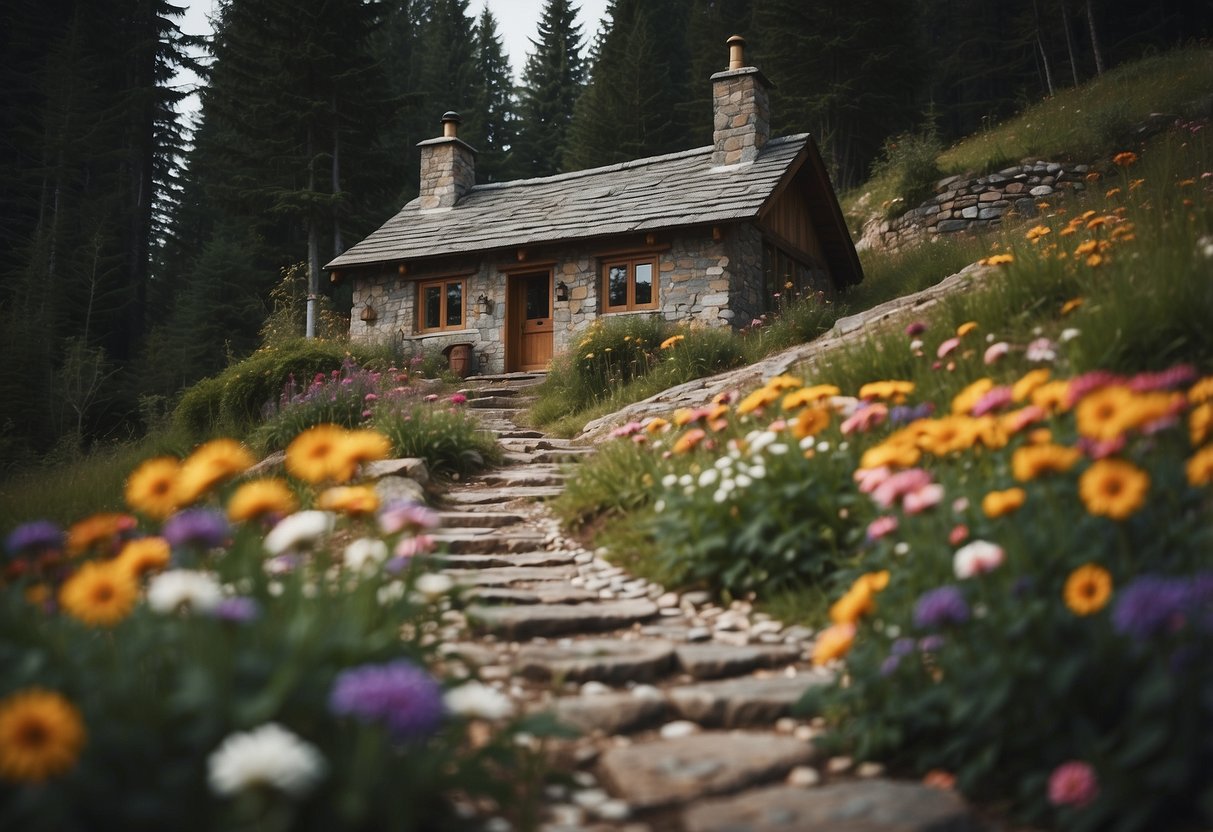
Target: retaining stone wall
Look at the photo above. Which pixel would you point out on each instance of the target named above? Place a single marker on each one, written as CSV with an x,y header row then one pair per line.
x,y
962,204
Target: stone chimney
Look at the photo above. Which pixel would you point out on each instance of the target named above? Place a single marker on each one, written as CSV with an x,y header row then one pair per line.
x,y
448,166
741,109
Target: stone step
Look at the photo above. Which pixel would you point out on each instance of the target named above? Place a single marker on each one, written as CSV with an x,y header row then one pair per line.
x,y
600,660
859,806
611,713
469,519
479,392
528,475
716,661
524,622
488,541
547,592
538,442
414,469
520,433
514,402
510,378
734,703
510,575
504,560
673,772
556,455
503,414
503,496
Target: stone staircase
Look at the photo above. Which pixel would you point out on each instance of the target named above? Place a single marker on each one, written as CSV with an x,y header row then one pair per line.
x,y
685,707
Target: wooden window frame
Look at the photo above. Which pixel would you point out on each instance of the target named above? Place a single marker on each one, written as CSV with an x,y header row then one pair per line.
x,y
631,262
442,283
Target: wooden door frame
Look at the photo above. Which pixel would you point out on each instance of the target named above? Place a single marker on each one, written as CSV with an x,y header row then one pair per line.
x,y
511,330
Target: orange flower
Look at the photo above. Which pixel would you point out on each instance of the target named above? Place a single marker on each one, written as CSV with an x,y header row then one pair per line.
x,y
1038,231
150,489
1200,467
1095,260
784,382
997,260
1088,589
760,398
964,401
96,530
949,434
852,606
1000,503
833,643
1105,413
1030,461
1200,423
810,422
1053,396
143,556
100,594
809,396
657,424
210,465
689,440
41,735
1125,158
1028,383
358,447
1113,488
1070,305
893,455
261,498
965,328
355,500
314,455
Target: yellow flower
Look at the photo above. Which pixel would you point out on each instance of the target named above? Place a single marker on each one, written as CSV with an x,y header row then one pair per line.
x,y
947,435
1030,461
588,356
964,401
1113,488
894,390
890,454
1104,414
684,416
1028,384
997,260
671,341
965,328
833,643
96,530
1088,589
1000,503
760,398
689,440
1200,423
1124,158
809,395
358,447
41,735
315,455
1085,248
1111,192
656,425
1038,231
261,498
810,422
784,382
1070,305
852,606
100,594
209,465
354,500
1053,396
150,489
144,556
1201,390
1200,467
1095,260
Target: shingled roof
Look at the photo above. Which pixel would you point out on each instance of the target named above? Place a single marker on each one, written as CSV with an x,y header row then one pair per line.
x,y
677,189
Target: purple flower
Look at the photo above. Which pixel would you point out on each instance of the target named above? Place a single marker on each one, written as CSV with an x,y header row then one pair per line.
x,y
238,610
941,607
931,644
902,647
201,527
1153,605
400,695
889,666
406,516
34,536
902,414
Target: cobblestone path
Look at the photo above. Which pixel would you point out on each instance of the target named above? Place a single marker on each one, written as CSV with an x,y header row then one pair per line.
x,y
685,707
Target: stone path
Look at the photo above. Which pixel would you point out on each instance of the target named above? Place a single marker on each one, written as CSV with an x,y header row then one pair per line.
x,y
685,707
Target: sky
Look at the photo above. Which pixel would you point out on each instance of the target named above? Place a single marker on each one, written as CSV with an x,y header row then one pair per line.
x,y
517,22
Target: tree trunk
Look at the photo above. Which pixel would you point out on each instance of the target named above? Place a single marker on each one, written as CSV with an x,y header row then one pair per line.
x,y
338,245
1065,25
1094,38
313,240
1040,44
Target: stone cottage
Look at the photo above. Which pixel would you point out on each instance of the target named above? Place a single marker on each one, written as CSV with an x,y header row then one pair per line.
x,y
515,270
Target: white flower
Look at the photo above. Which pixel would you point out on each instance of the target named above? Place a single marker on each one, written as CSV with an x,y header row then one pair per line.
x,y
478,701
365,554
685,480
180,589
669,480
901,548
915,345
299,529
758,472
724,462
823,447
267,756
659,506
743,481
1041,349
720,496
1069,334
777,449
807,442
977,557
433,586
707,477
390,592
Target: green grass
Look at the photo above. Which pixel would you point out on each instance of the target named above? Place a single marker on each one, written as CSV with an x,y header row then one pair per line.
x,y
1079,124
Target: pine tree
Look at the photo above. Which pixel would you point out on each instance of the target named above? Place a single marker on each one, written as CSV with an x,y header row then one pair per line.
x,y
552,81
490,124
630,108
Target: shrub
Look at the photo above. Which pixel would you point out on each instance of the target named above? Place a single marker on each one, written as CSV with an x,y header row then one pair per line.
x,y
450,440
909,163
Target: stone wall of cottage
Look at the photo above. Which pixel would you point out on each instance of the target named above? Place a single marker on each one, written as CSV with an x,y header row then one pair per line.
x,y
976,204
715,282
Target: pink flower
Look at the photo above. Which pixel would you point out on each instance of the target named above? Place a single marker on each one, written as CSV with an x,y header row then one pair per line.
x,y
870,478
882,526
640,439
1042,349
959,534
413,546
458,398
960,505
403,515
996,351
898,485
370,397
1170,379
1073,784
916,328
924,498
1023,417
995,399
432,397
1101,448
865,419
977,558
627,430
778,425
947,347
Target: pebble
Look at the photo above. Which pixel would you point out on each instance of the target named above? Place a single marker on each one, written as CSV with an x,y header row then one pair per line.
x,y
498,825
733,639
589,798
869,770
699,634
804,776
594,689
564,814
494,672
679,728
696,598
669,599
556,792
583,557
647,692
613,809
839,765
670,612
785,725
585,779
804,733
607,594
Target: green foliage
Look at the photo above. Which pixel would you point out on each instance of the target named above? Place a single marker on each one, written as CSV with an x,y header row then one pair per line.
x,y
161,690
552,81
287,321
909,162
451,441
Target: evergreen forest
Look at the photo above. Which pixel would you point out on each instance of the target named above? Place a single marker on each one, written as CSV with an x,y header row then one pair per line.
x,y
140,252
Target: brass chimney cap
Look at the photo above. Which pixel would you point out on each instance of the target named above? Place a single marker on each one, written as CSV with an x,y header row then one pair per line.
x,y
736,46
450,124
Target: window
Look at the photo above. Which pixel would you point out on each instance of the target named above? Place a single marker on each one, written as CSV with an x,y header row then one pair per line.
x,y
785,278
440,304
629,284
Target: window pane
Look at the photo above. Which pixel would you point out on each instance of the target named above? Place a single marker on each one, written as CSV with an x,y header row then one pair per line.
x,y
537,298
617,286
454,304
644,283
432,307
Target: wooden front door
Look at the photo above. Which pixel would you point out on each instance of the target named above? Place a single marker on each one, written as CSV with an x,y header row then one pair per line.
x,y
528,321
